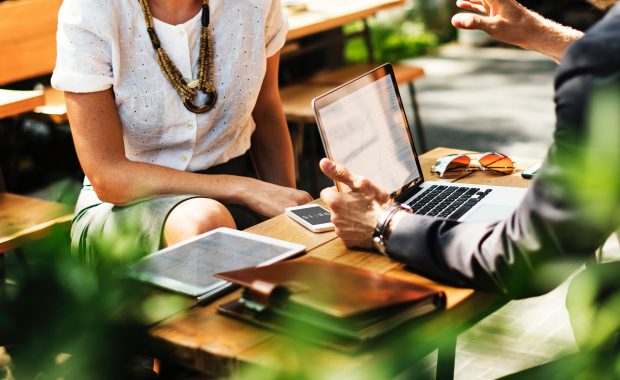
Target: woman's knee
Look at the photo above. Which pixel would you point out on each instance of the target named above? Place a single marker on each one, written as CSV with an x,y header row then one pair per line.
x,y
194,217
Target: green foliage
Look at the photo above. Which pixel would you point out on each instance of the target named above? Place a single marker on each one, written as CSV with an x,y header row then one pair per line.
x,y
392,42
65,320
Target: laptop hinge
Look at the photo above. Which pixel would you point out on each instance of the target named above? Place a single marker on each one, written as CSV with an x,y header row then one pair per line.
x,y
408,193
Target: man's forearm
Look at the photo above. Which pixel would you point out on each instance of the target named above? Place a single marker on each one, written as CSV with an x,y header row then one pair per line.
x,y
551,38
510,22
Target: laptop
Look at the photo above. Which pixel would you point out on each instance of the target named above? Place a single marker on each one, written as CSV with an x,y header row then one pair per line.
x,y
364,127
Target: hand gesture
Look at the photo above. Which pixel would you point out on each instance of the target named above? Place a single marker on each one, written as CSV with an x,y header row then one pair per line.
x,y
502,19
354,213
510,22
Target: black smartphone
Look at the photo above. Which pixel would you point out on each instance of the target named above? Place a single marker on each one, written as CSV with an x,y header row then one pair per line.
x,y
531,171
312,216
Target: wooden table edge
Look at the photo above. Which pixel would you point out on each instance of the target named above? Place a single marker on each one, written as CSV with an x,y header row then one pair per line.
x,y
331,23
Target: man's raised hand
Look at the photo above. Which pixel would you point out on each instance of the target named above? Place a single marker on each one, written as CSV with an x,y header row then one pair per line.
x,y
510,22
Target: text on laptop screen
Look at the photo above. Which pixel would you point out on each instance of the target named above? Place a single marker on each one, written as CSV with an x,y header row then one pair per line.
x,y
367,133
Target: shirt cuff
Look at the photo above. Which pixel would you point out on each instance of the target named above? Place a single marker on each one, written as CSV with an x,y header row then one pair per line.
x,y
73,82
408,239
277,41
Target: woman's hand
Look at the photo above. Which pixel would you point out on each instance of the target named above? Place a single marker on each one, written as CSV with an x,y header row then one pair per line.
x,y
354,213
270,200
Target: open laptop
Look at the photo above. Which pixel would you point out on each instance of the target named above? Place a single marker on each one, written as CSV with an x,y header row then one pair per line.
x,y
364,127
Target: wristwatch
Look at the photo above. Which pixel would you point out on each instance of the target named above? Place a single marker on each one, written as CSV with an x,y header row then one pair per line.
x,y
379,235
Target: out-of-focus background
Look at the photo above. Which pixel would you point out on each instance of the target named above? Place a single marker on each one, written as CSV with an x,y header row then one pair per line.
x,y
475,94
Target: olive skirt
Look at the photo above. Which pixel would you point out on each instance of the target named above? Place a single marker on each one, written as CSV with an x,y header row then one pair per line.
x,y
103,231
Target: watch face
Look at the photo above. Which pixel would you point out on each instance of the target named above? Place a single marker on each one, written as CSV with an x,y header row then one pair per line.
x,y
314,215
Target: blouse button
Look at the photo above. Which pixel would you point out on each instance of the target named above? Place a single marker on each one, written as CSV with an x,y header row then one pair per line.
x,y
181,33
183,158
190,126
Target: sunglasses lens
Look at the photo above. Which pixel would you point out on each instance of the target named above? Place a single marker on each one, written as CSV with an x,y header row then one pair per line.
x,y
452,166
497,162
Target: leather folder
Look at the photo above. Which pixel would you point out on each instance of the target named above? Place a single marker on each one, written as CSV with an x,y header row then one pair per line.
x,y
328,303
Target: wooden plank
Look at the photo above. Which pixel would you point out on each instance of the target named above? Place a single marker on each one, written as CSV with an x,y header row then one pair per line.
x,y
28,37
404,74
13,103
206,341
54,107
28,218
288,356
323,15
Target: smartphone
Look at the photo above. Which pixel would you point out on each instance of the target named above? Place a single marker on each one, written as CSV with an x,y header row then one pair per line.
x,y
529,172
312,216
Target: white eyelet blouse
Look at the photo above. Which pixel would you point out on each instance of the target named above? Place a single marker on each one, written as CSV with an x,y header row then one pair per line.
x,y
104,43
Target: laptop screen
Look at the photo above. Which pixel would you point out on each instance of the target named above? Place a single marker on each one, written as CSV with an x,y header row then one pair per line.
x,y
363,126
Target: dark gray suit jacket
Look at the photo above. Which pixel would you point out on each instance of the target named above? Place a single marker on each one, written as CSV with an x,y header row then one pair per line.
x,y
554,221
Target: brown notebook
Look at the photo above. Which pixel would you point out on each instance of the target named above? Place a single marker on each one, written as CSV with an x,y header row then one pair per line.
x,y
326,302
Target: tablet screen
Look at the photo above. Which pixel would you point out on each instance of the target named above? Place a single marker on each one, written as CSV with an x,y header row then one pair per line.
x,y
189,267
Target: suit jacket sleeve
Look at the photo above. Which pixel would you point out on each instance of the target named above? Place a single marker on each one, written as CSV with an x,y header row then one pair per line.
x,y
553,223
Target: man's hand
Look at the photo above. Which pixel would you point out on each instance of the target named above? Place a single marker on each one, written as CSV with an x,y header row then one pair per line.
x,y
510,22
499,18
354,213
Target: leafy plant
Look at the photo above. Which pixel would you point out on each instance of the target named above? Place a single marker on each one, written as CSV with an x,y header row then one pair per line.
x,y
392,42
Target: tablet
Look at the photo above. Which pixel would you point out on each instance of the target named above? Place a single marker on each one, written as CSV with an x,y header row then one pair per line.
x,y
188,267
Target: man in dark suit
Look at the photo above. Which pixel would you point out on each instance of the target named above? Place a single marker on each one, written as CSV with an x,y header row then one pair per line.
x,y
573,205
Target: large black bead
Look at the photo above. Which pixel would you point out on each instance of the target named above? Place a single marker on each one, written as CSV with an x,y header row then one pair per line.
x,y
206,15
207,106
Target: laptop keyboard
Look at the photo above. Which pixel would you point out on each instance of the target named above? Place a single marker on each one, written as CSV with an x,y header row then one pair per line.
x,y
449,202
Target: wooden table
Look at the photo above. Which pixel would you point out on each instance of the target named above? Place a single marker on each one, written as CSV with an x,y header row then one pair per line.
x,y
216,345
323,15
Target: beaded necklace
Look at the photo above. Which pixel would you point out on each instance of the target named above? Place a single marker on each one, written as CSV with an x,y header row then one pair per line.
x,y
205,82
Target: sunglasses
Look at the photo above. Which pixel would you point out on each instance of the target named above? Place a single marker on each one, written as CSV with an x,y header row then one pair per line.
x,y
454,165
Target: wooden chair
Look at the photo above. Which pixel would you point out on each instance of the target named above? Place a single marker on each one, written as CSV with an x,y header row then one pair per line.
x,y
23,218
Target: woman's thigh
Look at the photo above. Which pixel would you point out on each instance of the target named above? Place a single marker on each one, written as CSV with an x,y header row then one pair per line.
x,y
102,231
193,217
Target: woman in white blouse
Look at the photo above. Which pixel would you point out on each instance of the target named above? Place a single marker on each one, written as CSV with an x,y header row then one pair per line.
x,y
140,144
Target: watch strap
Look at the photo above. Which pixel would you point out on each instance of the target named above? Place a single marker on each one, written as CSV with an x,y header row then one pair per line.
x,y
379,236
